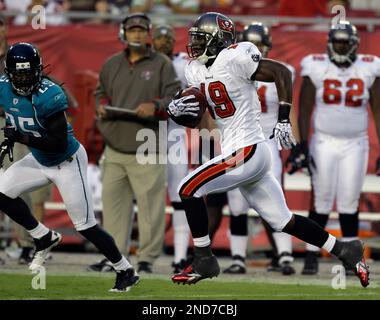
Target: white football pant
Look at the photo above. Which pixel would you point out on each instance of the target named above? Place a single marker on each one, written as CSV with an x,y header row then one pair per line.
x,y
70,177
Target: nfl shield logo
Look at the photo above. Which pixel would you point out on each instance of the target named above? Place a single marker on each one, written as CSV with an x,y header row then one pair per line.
x,y
15,101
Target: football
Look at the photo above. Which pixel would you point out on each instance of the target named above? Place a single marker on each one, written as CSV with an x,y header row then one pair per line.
x,y
190,121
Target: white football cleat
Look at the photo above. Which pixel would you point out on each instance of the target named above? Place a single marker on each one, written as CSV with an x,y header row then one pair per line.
x,y
43,248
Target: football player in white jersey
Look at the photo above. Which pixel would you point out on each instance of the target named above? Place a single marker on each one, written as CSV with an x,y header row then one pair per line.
x,y
259,35
339,84
226,72
177,167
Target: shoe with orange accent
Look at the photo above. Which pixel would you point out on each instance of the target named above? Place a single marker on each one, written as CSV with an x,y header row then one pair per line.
x,y
203,267
352,257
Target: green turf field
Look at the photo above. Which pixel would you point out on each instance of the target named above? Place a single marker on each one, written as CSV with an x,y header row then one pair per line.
x,y
18,286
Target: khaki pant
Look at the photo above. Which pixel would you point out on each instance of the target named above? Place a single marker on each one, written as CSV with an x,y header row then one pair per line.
x,y
123,180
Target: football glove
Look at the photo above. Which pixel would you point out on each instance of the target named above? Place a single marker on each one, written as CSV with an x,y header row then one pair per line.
x,y
282,133
299,159
182,107
12,134
378,166
6,148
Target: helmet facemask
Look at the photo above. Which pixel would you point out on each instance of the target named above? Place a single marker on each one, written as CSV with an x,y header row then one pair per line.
x,y
342,46
201,46
24,80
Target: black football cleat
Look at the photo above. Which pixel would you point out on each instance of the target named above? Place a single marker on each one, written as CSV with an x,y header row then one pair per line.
x,y
178,267
235,269
103,265
352,257
237,266
311,263
273,265
203,266
144,267
125,280
285,262
26,256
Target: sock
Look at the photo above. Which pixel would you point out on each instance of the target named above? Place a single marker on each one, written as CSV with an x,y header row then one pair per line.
x,y
202,242
18,211
349,225
39,231
181,234
239,225
239,235
283,242
123,264
215,218
330,243
196,214
321,219
307,230
238,245
103,242
347,239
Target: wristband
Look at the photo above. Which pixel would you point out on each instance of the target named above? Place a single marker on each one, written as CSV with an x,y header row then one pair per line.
x,y
284,111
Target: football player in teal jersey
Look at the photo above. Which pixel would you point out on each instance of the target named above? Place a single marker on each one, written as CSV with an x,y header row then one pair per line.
x,y
35,116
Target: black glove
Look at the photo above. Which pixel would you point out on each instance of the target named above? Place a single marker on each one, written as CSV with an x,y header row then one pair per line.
x,y
12,134
299,158
6,148
377,170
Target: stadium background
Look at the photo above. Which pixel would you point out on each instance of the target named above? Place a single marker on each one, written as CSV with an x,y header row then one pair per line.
x,y
75,54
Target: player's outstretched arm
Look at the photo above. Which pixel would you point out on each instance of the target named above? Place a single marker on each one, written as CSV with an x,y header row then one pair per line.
x,y
54,141
273,71
299,156
375,106
306,104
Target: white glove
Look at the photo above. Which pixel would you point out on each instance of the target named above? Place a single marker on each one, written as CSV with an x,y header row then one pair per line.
x,y
283,135
181,107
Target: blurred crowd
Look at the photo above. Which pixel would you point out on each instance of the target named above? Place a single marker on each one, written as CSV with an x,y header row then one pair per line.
x,y
298,8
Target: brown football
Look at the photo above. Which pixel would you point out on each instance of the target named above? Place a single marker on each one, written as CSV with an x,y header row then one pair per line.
x,y
190,121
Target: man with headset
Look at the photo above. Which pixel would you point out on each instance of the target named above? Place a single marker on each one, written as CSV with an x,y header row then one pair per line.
x,y
141,81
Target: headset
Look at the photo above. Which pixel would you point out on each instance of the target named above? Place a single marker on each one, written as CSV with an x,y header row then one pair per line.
x,y
122,30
